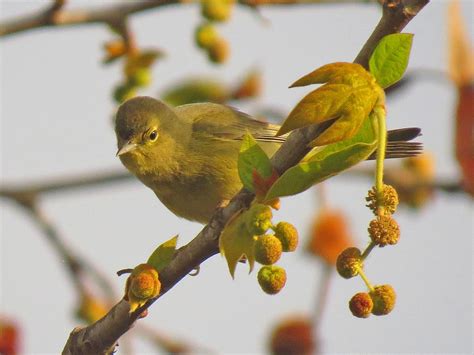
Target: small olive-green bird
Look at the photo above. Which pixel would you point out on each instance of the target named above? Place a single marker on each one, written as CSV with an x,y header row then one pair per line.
x,y
188,154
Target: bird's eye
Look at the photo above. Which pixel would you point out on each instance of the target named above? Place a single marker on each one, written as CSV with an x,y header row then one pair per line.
x,y
153,135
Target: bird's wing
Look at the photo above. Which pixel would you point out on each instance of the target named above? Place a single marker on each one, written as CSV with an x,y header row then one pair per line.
x,y
224,122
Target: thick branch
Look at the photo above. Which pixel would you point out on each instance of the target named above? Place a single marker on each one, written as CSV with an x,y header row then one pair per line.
x,y
101,336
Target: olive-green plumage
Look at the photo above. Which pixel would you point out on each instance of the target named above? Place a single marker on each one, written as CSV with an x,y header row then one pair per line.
x,y
187,155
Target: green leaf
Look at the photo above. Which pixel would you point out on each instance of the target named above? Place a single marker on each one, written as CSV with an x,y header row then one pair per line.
x,y
162,255
252,159
390,58
236,242
323,163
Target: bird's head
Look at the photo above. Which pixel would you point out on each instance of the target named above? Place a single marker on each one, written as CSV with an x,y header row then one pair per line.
x,y
146,130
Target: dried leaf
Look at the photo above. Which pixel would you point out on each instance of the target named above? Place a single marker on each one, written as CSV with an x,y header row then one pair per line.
x,y
461,53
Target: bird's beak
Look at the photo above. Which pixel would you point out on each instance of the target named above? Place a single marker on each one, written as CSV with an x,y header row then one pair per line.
x,y
127,147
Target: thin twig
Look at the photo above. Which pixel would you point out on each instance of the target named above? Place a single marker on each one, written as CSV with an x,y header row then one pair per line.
x,y
101,337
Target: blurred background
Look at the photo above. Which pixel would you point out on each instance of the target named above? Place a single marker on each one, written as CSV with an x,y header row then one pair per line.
x,y
57,105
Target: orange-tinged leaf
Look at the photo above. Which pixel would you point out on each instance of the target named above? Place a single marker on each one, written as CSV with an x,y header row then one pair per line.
x,y
262,184
461,53
465,135
236,242
9,337
339,72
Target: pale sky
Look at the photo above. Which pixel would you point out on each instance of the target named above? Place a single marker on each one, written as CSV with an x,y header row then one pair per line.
x,y
56,111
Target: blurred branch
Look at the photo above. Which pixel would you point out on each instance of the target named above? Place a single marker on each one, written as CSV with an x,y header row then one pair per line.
x,y
65,183
56,16
101,337
168,344
77,267
322,295
447,185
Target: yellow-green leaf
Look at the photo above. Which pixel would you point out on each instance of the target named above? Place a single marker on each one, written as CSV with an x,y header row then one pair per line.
x,y
356,109
348,98
236,242
162,255
323,163
252,159
390,58
337,73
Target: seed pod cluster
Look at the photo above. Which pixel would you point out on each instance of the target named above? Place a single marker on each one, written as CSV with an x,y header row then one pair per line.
x,y
270,242
206,36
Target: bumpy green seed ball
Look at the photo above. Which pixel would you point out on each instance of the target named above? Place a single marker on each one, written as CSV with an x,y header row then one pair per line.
x,y
361,305
384,298
288,236
384,231
349,262
258,219
268,249
271,279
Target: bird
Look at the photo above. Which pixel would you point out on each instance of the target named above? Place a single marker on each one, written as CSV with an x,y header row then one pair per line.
x,y
188,154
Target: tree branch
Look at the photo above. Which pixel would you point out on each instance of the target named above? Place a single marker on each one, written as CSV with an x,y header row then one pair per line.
x,y
54,16
64,183
101,336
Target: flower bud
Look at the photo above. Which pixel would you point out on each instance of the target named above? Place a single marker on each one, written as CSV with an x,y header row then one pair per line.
x,y
258,219
349,262
217,10
361,305
288,236
142,285
329,235
219,51
389,200
205,35
268,249
384,230
294,335
271,279
384,298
